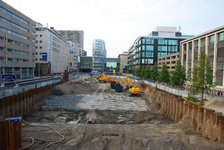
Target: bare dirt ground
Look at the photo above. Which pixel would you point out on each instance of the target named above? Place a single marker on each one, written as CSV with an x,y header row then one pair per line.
x,y
119,121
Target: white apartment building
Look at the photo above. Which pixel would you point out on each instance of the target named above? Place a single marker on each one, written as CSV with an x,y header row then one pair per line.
x,y
52,51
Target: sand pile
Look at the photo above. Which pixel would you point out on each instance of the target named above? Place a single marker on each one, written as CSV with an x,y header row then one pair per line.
x,y
78,87
216,103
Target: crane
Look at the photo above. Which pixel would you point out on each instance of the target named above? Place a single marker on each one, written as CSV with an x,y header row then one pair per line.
x,y
132,89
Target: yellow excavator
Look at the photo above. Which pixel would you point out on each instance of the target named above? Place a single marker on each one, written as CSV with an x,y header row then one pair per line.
x,y
132,89
101,78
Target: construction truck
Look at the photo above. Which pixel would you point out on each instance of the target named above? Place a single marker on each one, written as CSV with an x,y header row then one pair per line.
x,y
131,88
101,78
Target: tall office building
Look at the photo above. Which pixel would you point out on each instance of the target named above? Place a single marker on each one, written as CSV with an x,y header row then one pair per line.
x,y
74,35
73,51
160,42
212,44
17,43
52,51
98,50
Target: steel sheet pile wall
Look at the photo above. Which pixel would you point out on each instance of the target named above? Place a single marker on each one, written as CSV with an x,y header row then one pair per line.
x,y
19,105
208,123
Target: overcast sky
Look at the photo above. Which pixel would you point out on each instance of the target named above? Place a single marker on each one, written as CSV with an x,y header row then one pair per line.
x,y
120,22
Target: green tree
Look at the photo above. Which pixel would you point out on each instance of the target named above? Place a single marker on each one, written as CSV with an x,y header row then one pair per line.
x,y
147,74
200,80
138,71
142,72
164,74
155,72
178,77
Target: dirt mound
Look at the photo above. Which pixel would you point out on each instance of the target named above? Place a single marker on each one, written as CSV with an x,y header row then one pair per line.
x,y
78,87
216,103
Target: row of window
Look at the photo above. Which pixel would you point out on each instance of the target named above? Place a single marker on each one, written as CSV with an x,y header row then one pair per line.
x,y
13,24
14,59
37,35
14,42
11,14
13,33
15,51
160,41
37,41
203,41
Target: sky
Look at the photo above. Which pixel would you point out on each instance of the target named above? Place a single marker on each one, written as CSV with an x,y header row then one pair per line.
x,y
120,22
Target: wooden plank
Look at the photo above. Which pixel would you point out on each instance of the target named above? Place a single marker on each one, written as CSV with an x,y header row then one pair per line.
x,y
11,136
1,135
6,134
19,135
8,106
17,105
14,105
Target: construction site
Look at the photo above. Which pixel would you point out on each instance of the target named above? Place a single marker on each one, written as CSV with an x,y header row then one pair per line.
x,y
115,113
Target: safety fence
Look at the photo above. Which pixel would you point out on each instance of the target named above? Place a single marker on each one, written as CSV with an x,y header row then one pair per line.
x,y
176,91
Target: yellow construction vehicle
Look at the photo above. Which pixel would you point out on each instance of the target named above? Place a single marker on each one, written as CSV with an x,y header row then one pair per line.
x,y
132,89
101,78
90,79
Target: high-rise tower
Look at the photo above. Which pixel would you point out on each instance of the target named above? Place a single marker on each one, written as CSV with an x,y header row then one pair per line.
x,y
99,53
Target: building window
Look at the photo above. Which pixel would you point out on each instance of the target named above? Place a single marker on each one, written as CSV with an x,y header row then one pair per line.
x,y
40,41
172,42
36,47
172,48
212,39
36,35
40,53
40,59
40,47
221,37
143,41
162,41
13,33
160,54
36,59
203,42
149,47
162,48
143,54
36,53
149,41
149,54
196,44
143,47
13,24
36,41
40,35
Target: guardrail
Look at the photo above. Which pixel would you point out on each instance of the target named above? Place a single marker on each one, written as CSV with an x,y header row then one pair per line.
x,y
177,92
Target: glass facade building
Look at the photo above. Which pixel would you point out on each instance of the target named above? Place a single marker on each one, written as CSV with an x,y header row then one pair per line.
x,y
99,53
85,64
111,64
146,49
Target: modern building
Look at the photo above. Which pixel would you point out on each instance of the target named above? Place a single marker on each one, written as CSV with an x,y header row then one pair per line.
x,y
212,43
111,64
73,59
123,62
74,35
99,53
170,60
85,64
84,53
52,51
160,42
17,43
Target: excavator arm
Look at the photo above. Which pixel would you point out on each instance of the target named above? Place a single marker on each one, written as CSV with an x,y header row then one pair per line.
x,y
129,80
